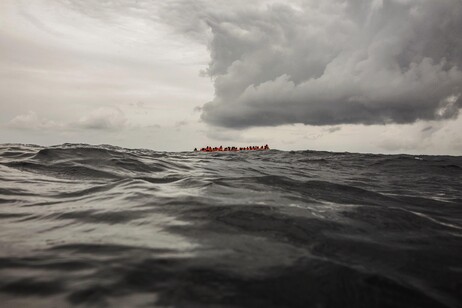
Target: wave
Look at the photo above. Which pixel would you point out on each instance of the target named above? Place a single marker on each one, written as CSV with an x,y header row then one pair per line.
x,y
109,226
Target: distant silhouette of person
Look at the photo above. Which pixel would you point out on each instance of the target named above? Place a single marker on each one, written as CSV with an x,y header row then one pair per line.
x,y
233,148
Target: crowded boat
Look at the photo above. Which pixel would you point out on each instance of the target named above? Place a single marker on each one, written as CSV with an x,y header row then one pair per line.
x,y
233,149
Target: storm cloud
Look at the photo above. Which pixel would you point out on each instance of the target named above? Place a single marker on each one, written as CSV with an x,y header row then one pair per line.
x,y
330,62
130,72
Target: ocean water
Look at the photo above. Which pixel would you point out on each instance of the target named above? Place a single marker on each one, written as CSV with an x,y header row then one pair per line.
x,y
100,226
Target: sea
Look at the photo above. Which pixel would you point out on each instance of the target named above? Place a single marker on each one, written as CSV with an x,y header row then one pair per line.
x,y
104,226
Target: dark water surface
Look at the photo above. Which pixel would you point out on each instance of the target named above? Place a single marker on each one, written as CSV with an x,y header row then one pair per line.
x,y
107,226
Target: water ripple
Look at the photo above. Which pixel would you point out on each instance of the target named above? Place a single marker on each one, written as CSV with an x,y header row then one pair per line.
x,y
107,226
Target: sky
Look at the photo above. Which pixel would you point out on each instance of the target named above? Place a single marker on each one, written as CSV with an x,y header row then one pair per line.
x,y
338,75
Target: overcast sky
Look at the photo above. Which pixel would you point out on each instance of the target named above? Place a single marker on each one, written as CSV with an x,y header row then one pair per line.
x,y
338,75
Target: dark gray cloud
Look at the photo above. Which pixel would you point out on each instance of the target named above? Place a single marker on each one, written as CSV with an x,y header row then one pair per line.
x,y
330,62
333,129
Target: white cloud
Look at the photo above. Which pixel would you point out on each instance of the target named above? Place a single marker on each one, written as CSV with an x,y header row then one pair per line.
x,y
31,121
105,118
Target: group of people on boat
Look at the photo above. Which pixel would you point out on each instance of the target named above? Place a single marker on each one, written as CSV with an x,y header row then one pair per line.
x,y
233,149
